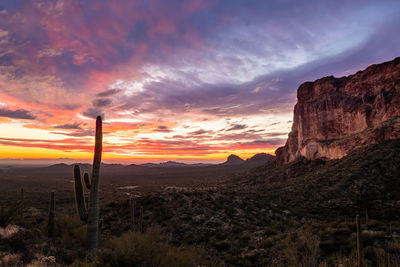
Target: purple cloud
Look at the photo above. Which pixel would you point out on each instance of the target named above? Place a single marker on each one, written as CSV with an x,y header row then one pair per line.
x,y
93,113
101,102
109,92
75,125
162,129
235,127
17,114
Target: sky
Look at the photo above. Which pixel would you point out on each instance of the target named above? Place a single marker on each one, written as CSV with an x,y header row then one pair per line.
x,y
191,80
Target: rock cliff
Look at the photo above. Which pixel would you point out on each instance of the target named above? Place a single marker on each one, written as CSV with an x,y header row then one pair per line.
x,y
333,116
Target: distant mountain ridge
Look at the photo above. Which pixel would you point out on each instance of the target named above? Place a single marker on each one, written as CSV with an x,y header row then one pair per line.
x,y
173,164
232,159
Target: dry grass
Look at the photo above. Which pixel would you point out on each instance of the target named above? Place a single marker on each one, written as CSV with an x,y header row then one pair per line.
x,y
301,249
8,231
136,249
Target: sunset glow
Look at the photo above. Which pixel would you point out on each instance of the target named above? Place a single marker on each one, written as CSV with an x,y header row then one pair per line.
x,y
192,81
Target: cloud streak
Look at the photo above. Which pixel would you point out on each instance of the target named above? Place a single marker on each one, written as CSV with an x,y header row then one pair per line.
x,y
17,114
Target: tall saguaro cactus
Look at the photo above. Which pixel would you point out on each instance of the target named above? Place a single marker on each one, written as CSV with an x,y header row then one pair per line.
x,y
90,215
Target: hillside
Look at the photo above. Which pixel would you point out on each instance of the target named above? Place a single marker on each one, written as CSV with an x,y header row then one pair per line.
x,y
367,180
261,217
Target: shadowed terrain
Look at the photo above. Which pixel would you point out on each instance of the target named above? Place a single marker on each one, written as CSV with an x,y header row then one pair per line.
x,y
243,215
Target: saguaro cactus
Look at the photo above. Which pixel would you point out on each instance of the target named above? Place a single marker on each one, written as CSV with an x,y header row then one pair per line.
x,y
141,220
23,205
52,212
132,204
359,242
90,215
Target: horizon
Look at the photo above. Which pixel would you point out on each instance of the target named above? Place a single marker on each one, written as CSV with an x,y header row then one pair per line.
x,y
48,162
190,82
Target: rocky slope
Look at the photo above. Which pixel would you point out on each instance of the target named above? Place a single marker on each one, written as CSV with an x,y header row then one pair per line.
x,y
233,160
333,116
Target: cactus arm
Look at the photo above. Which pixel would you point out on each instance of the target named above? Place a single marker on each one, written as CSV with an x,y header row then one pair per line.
x,y
87,181
79,199
93,219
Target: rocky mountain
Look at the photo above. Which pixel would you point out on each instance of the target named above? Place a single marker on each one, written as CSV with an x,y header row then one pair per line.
x,y
334,116
233,160
260,157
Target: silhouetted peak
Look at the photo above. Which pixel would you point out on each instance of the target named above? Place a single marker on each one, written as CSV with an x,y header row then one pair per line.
x,y
233,159
260,157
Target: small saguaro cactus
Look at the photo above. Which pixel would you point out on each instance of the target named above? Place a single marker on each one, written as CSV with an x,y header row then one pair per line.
x,y
52,212
23,204
132,204
359,242
90,213
141,220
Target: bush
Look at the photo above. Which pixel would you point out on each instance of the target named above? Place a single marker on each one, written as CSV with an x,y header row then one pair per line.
x,y
302,249
69,231
136,249
9,212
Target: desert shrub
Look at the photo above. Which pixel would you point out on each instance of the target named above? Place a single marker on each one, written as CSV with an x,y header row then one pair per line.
x,y
346,261
70,232
20,242
7,259
269,230
301,249
377,225
223,245
380,256
69,240
394,246
384,259
267,243
11,211
137,249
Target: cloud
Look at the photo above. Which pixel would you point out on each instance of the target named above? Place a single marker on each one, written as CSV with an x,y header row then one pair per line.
x,y
197,135
93,113
162,129
70,106
63,145
200,132
237,127
236,136
101,102
273,134
17,114
75,125
77,133
109,92
3,33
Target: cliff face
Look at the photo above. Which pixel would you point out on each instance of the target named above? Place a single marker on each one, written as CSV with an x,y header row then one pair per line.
x,y
336,115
